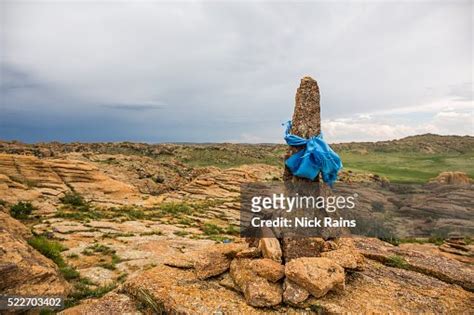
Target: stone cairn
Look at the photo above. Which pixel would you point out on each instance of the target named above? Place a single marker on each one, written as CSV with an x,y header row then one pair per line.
x,y
272,270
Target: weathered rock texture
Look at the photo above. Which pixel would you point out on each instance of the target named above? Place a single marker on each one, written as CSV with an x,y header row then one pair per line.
x,y
294,294
317,275
306,116
216,260
39,180
257,290
177,291
306,121
432,264
23,270
112,303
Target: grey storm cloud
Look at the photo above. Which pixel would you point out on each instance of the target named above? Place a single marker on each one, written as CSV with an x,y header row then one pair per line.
x,y
228,71
132,107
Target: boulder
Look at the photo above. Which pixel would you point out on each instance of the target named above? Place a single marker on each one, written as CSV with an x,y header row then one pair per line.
x,y
318,275
268,269
347,256
258,291
216,259
270,248
293,294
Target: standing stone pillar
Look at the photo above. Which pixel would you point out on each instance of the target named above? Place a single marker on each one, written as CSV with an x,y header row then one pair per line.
x,y
306,123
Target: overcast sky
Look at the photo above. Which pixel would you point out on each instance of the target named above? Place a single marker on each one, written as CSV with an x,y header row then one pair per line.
x,y
220,71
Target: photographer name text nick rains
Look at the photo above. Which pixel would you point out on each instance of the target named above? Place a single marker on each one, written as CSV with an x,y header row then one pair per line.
x,y
303,222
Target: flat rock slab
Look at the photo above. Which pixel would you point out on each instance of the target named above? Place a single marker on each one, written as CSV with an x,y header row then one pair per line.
x,y
98,275
381,289
445,269
70,227
176,291
112,303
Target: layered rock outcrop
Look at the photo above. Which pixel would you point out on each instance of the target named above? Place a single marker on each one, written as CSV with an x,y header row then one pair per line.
x,y
24,271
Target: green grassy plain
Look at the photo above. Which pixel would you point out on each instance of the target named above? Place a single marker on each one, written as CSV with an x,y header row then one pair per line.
x,y
408,164
411,167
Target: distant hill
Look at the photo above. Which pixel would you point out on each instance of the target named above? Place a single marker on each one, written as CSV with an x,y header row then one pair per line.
x,y
427,143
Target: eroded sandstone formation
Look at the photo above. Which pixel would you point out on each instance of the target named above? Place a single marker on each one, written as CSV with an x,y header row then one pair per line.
x,y
23,270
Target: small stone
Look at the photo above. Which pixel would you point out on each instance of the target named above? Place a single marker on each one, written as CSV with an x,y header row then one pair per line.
x,y
252,252
180,261
346,257
216,260
270,248
261,293
268,269
294,294
258,291
318,275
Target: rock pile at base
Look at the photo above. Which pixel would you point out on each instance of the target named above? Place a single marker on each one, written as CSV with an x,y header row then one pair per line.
x,y
260,276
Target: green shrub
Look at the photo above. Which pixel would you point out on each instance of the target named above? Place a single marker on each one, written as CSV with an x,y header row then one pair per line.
x,y
21,210
109,266
80,216
211,229
75,201
84,291
98,248
48,248
232,230
175,208
69,273
397,262
154,232
52,250
180,233
134,214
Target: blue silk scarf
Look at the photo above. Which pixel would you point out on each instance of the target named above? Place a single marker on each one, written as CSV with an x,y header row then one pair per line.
x,y
316,156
